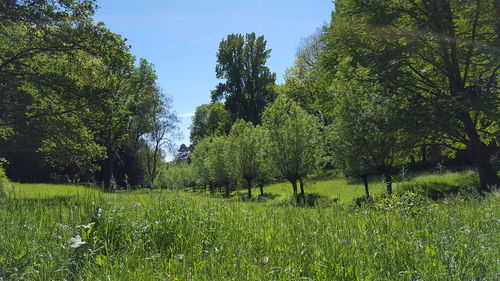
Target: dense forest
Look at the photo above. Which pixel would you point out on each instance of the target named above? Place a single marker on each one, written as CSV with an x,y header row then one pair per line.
x,y
386,85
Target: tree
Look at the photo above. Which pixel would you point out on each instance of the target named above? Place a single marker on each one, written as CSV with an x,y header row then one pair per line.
x,y
442,53
304,81
218,169
244,147
368,129
249,82
160,137
200,163
295,146
209,159
182,155
209,120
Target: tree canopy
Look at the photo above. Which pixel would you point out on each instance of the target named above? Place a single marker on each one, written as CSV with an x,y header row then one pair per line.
x,y
249,84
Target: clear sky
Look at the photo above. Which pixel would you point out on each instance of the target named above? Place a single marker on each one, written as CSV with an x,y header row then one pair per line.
x,y
181,38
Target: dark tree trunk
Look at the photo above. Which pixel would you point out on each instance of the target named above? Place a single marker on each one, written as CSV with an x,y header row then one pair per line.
x,y
487,174
294,186
249,186
261,186
302,193
388,182
228,190
109,172
423,153
212,188
365,181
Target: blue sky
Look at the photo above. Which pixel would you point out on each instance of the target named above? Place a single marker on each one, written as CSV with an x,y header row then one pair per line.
x,y
181,38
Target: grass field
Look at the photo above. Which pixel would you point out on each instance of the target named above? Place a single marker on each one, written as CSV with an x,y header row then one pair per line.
x,y
56,232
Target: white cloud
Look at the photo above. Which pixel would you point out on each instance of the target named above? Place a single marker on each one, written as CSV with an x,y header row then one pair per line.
x,y
185,115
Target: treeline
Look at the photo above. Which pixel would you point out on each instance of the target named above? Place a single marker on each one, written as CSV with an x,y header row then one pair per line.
x,y
73,103
385,84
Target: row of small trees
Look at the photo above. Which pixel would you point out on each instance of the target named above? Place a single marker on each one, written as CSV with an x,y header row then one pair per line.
x,y
288,145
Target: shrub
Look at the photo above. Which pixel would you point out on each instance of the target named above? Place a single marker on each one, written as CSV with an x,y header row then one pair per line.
x,y
408,203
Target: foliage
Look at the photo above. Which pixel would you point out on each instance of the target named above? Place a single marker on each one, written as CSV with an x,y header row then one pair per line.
x,y
441,54
70,94
245,160
294,141
439,186
209,120
368,133
305,82
178,176
248,86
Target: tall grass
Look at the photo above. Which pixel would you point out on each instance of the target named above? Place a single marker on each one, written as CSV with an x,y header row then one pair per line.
x,y
179,236
439,185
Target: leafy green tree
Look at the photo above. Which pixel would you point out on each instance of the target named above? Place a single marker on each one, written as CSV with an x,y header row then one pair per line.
x,y
209,120
304,81
248,86
209,159
295,146
368,132
442,53
178,176
218,163
244,147
200,163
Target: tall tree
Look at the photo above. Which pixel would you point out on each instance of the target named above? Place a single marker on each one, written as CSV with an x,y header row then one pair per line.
x,y
295,146
160,138
241,61
304,81
443,53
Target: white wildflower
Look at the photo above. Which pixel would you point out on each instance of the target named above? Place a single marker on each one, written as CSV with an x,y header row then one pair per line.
x,y
75,242
86,226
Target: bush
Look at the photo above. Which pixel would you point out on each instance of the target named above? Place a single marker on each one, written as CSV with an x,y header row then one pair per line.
x,y
408,203
438,186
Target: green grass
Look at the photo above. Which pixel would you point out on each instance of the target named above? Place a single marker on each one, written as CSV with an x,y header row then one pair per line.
x,y
337,188
174,235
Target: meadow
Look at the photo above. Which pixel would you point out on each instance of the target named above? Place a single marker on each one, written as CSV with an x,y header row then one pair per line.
x,y
56,232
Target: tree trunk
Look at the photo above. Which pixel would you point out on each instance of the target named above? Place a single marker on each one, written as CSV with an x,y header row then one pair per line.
x,y
261,186
423,153
294,186
365,181
388,182
487,174
109,172
249,186
211,186
302,193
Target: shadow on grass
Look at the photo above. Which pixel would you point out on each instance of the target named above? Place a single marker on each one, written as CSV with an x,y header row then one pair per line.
x,y
309,200
243,197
